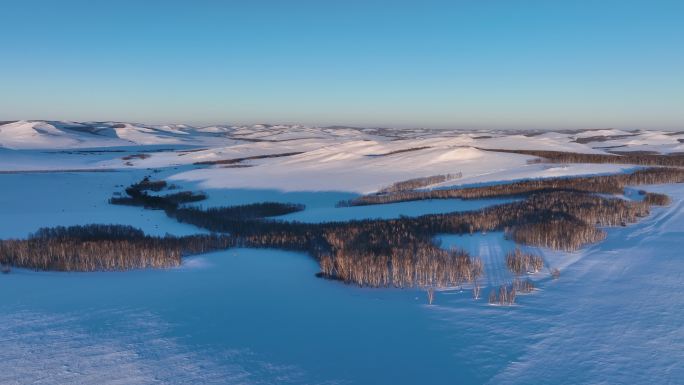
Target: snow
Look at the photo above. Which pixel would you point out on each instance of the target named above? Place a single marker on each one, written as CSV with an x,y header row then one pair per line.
x,y
31,201
545,142
136,353
24,135
28,134
249,316
612,317
538,171
603,132
655,141
491,248
216,325
351,167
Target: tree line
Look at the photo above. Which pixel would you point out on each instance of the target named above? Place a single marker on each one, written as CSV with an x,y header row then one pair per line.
x,y
605,184
412,184
240,160
104,248
376,252
624,157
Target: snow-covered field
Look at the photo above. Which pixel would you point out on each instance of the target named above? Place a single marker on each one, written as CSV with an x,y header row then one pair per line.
x,y
261,316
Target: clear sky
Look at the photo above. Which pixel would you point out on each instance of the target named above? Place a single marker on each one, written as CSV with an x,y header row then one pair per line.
x,y
459,64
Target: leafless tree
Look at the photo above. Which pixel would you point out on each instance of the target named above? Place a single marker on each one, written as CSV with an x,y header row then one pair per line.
x,y
476,290
430,295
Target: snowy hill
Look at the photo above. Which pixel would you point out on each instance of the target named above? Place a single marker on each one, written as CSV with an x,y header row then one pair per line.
x,y
297,157
31,134
40,134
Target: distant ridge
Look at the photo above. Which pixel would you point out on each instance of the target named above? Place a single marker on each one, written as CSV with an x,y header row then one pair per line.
x,y
56,134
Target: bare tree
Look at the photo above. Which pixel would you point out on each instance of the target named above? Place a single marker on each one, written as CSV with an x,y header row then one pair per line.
x,y
476,290
492,297
430,295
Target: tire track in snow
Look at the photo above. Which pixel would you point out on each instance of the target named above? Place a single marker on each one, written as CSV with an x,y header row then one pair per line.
x,y
492,254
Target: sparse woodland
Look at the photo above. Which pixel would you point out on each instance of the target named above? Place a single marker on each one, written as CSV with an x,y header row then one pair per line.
x,y
559,213
626,157
240,160
424,265
657,199
415,183
606,184
523,263
403,151
103,248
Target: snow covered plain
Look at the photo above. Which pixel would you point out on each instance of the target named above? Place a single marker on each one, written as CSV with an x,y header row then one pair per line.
x,y
247,316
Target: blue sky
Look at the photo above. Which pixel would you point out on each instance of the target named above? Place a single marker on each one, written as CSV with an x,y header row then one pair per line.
x,y
458,64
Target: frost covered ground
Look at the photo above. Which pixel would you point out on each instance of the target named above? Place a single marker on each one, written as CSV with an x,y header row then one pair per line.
x,y
261,316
